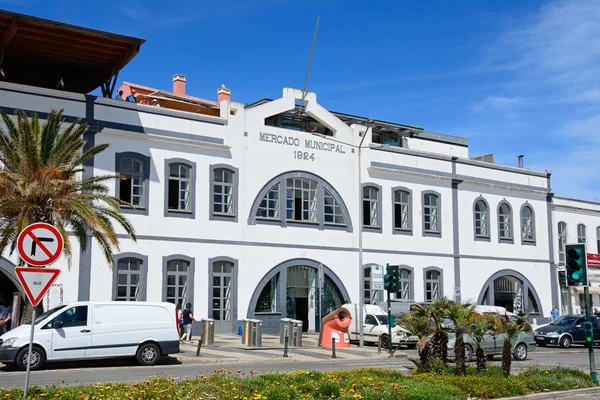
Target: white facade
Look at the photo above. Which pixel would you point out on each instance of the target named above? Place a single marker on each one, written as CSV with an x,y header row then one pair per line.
x,y
576,221
238,256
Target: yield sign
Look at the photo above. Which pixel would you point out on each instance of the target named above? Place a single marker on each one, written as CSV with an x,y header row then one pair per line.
x,y
36,281
40,244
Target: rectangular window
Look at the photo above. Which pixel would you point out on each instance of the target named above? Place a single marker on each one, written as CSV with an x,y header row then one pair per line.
x,y
179,196
562,241
371,206
223,192
581,235
431,213
432,286
128,279
131,186
301,200
402,210
177,281
404,292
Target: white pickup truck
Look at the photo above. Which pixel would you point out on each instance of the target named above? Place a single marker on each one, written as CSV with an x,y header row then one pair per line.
x,y
376,324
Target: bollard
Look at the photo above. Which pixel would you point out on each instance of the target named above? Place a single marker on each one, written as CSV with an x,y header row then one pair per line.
x,y
379,345
285,347
333,348
198,348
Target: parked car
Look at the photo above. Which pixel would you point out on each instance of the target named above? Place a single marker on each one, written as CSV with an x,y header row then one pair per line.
x,y
94,330
493,345
565,331
376,324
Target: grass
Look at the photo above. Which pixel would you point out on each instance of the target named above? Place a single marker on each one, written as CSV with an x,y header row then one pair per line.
x,y
368,384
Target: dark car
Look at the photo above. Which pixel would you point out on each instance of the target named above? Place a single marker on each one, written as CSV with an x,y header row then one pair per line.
x,y
565,331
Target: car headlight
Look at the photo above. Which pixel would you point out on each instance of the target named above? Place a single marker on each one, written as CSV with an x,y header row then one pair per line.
x,y
9,342
553,334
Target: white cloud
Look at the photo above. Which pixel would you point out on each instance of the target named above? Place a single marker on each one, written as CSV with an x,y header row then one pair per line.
x,y
500,102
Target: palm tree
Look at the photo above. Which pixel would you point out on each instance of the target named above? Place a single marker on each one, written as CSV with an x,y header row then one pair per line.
x,y
477,330
461,315
41,182
510,329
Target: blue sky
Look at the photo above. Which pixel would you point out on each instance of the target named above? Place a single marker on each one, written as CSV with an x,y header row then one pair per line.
x,y
514,77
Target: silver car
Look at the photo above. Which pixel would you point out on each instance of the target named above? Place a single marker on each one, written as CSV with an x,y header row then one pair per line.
x,y
493,345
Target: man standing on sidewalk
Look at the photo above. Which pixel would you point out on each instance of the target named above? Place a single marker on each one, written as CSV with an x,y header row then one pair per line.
x,y
188,318
554,314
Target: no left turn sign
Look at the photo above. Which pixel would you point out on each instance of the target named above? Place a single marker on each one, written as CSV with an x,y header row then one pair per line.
x,y
40,244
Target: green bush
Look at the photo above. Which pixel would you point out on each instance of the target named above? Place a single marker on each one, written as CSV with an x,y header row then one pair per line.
x,y
366,384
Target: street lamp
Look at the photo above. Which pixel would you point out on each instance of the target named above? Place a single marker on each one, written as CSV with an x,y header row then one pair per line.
x,y
361,297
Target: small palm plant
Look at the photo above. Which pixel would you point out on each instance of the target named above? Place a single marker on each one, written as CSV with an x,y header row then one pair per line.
x,y
510,329
418,325
41,182
477,329
437,313
461,315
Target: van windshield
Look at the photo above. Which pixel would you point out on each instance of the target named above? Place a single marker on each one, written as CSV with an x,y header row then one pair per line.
x,y
45,315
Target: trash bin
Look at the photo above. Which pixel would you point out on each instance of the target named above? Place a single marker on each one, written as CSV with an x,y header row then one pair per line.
x,y
296,336
284,329
207,331
256,333
252,332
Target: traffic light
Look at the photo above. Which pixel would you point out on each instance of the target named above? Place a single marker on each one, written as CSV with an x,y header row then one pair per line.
x,y
576,264
391,278
588,331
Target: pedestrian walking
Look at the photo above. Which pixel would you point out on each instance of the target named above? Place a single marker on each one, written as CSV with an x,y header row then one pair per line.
x,y
179,316
5,315
188,318
554,313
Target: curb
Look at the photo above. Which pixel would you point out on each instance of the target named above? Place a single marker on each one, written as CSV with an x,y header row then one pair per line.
x,y
556,395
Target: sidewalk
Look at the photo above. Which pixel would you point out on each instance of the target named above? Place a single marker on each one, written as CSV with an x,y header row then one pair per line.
x,y
229,348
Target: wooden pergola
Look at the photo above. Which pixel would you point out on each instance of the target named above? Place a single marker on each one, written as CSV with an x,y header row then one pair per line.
x,y
54,55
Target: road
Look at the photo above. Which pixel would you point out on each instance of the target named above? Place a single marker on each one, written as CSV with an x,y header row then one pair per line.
x,y
126,371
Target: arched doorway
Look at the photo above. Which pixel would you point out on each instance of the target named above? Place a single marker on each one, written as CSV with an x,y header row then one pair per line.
x,y
511,290
293,289
9,284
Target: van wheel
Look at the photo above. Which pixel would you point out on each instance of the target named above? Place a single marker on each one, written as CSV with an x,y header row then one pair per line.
x,y
148,354
385,341
38,358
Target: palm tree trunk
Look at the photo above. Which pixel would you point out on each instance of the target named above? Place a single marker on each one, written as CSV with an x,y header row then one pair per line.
x,y
424,355
506,358
28,311
439,347
459,352
481,360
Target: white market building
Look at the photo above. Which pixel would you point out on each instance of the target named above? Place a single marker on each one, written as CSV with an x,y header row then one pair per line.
x,y
238,207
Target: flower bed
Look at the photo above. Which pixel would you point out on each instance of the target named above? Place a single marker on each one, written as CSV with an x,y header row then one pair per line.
x,y
368,384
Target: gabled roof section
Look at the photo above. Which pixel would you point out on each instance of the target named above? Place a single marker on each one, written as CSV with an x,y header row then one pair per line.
x,y
153,92
43,53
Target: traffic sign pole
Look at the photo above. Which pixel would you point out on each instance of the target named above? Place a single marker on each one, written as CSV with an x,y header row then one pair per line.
x,y
39,245
592,357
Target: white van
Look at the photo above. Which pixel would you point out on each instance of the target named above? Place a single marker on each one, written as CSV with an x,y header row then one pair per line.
x,y
92,330
375,324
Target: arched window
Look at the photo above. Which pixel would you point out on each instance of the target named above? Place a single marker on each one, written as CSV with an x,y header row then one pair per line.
x,y
178,279
300,198
481,218
505,228
402,199
406,291
431,214
527,224
581,237
562,241
132,188
223,193
130,277
433,284
180,189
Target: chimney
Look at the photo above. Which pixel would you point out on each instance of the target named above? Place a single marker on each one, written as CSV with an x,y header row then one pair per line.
x,y
223,94
179,85
520,158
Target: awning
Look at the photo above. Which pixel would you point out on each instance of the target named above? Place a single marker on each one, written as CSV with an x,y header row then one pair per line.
x,y
593,290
